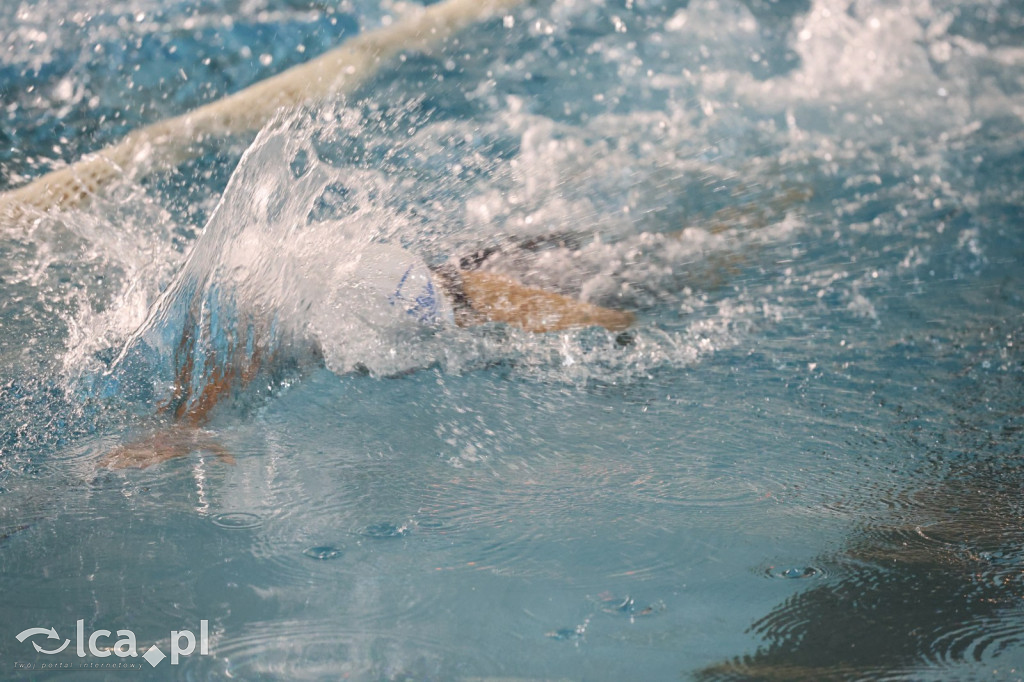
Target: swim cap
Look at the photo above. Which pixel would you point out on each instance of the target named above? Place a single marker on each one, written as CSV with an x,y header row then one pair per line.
x,y
404,281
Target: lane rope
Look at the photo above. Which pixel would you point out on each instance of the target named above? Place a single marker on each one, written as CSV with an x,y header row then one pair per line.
x,y
337,72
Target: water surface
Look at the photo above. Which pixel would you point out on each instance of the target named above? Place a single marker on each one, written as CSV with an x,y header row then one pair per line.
x,y
804,465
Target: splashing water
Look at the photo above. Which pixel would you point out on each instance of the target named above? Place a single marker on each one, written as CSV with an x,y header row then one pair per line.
x,y
277,272
813,208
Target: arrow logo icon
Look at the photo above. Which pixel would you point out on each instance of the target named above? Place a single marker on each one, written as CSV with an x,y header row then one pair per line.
x,y
25,634
50,634
55,651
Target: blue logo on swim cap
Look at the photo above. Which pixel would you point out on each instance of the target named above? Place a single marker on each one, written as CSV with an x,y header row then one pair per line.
x,y
424,306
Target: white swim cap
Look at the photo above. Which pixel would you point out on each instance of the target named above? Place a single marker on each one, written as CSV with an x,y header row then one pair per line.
x,y
403,281
372,308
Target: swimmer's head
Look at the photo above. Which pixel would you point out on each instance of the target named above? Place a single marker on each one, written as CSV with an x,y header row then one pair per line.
x,y
400,280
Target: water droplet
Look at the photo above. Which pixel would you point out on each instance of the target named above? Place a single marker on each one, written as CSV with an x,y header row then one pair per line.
x,y
323,552
385,530
793,572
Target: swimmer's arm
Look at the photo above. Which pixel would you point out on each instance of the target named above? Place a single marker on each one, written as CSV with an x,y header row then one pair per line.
x,y
185,434
498,298
167,442
226,378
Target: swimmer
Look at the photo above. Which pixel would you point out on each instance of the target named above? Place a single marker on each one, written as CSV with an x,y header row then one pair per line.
x,y
393,285
392,280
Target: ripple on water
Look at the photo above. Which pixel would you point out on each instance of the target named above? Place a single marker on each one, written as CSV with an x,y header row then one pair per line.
x,y
541,522
285,558
237,520
385,530
300,649
291,561
980,640
324,552
638,489
891,602
795,572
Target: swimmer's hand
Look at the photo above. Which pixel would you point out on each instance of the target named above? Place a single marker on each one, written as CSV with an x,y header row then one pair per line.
x,y
169,442
498,298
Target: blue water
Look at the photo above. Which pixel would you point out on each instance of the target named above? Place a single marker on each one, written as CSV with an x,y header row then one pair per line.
x,y
804,465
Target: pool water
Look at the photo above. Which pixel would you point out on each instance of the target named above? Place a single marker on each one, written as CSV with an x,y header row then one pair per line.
x,y
803,462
